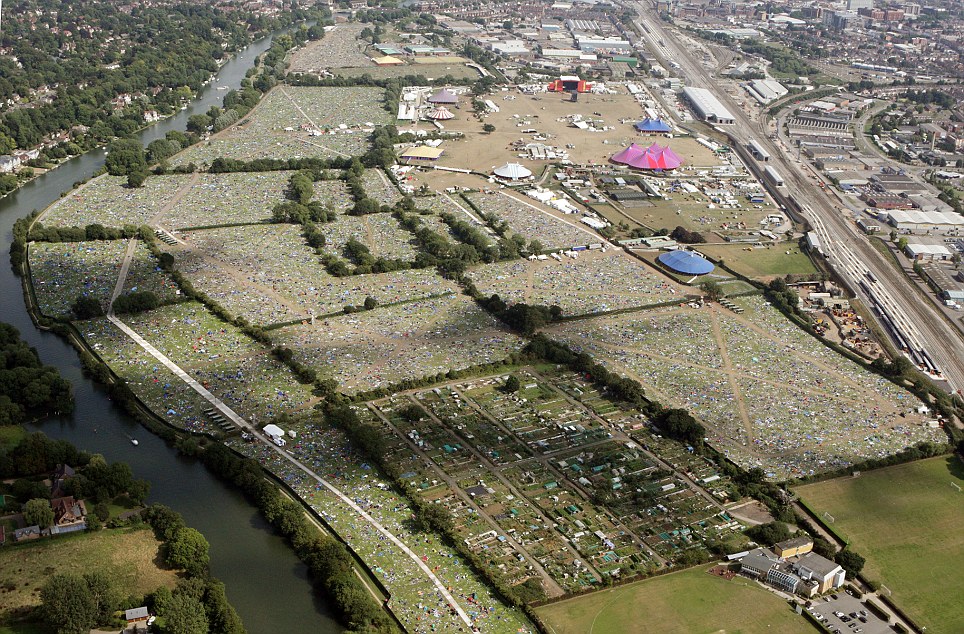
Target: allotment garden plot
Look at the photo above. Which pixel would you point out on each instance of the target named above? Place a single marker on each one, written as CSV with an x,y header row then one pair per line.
x,y
296,122
770,395
533,223
590,282
380,347
539,475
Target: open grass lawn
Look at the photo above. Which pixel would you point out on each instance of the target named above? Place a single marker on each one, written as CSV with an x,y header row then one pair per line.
x,y
128,556
10,436
687,602
906,520
761,262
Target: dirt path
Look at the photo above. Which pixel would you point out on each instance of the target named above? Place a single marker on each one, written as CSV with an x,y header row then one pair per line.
x,y
732,378
156,218
244,424
296,310
312,122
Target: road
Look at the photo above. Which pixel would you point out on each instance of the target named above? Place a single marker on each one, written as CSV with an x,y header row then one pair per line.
x,y
229,413
924,331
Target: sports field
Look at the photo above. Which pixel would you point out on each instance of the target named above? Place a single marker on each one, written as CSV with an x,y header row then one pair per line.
x,y
906,520
762,262
688,602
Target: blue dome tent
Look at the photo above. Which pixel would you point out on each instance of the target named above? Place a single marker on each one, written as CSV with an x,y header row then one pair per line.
x,y
686,262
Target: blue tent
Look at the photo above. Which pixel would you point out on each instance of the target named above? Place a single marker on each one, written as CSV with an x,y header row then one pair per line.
x,y
652,125
686,262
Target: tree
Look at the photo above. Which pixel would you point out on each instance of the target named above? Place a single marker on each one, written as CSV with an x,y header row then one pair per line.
x,y
512,384
125,156
850,561
38,512
712,289
221,615
769,533
370,302
184,614
188,549
86,308
684,235
67,605
136,179
138,491
198,123
488,128
103,594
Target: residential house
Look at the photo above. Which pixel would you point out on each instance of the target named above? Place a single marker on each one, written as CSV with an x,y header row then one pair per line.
x,y
68,511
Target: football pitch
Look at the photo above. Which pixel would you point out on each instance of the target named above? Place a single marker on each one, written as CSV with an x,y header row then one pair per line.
x,y
906,520
688,602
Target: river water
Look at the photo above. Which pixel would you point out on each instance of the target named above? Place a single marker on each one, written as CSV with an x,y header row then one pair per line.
x,y
265,581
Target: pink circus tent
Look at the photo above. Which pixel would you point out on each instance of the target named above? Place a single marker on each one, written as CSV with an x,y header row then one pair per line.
x,y
628,154
655,157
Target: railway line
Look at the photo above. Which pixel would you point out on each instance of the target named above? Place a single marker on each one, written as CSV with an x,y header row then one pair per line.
x,y
916,327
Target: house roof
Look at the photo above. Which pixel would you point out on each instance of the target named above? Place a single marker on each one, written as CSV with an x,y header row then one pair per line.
x,y
757,560
63,471
793,542
63,504
136,613
818,564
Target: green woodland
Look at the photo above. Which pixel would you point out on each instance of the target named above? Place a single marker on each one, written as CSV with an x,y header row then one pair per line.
x,y
71,59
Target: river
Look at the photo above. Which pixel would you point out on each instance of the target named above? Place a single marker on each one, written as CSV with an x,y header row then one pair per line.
x,y
265,581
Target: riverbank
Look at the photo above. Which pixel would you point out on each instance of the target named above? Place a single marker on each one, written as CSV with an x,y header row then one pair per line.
x,y
244,549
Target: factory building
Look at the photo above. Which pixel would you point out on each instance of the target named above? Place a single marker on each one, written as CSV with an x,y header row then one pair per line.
x,y
707,106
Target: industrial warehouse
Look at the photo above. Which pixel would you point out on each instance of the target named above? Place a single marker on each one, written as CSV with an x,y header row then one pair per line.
x,y
707,106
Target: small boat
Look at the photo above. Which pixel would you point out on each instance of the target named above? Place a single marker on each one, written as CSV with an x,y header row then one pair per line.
x,y
134,442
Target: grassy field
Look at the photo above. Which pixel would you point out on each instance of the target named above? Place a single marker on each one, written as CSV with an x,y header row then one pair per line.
x,y
129,557
687,602
10,436
906,520
763,262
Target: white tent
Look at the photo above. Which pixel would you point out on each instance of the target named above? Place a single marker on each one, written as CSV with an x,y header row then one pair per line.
x,y
276,434
513,171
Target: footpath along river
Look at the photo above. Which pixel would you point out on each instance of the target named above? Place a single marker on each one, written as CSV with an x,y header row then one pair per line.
x,y
265,581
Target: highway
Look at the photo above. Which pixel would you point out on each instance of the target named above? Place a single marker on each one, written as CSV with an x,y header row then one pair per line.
x,y
914,324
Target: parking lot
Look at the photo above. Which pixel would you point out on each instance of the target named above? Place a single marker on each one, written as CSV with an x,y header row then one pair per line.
x,y
865,621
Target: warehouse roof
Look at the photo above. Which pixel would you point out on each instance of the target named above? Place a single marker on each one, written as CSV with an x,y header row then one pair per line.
x,y
918,217
707,105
